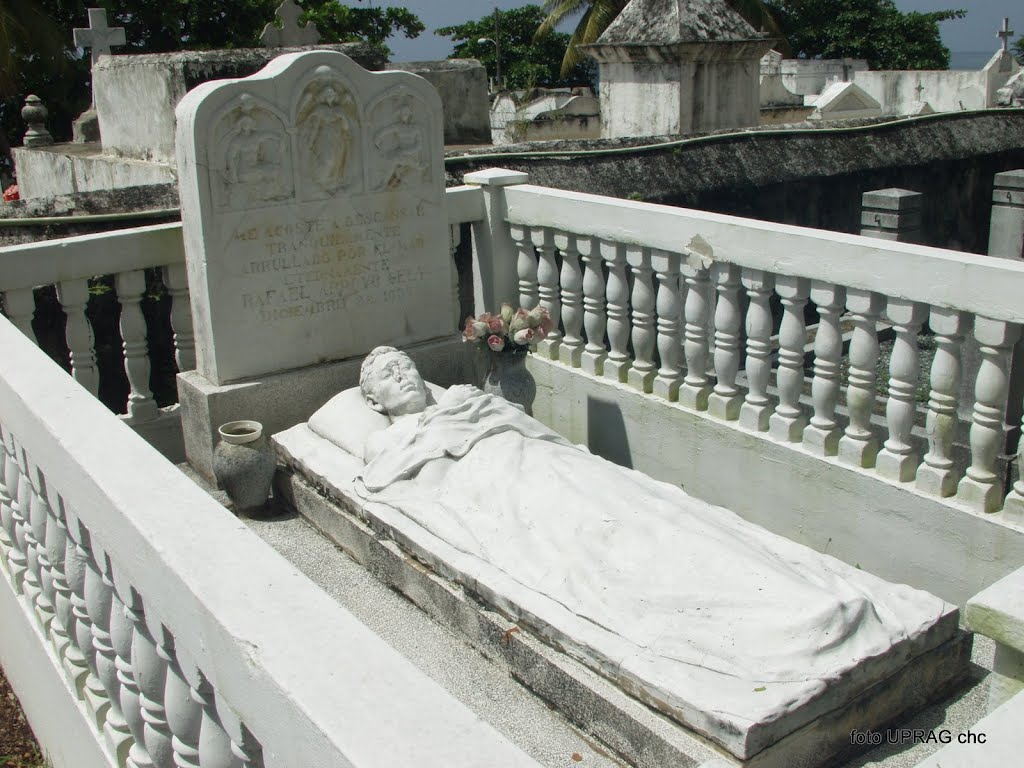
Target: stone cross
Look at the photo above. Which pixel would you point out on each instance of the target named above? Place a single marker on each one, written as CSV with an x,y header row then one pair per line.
x,y
290,33
919,89
98,36
1005,34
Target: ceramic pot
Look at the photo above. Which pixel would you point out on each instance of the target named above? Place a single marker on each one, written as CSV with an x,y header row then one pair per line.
x,y
508,377
244,464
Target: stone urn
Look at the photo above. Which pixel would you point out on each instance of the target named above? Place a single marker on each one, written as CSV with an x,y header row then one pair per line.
x,y
244,464
508,377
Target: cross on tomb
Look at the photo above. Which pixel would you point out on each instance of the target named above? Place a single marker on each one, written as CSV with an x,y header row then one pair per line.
x,y
289,33
919,89
1005,34
98,37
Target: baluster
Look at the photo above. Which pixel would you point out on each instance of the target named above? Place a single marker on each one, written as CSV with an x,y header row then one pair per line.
x,y
725,399
669,306
150,667
214,742
74,573
858,445
93,692
594,317
6,501
787,422
822,435
14,518
981,487
936,475
642,372
571,279
617,364
27,543
122,634
39,522
697,384
526,266
756,407
176,280
74,296
56,587
130,287
100,600
243,744
547,280
897,459
20,306
184,710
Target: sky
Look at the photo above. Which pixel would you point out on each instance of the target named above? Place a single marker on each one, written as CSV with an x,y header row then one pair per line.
x,y
976,32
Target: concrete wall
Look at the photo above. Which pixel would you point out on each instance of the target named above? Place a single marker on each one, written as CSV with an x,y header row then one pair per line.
x,y
462,84
643,99
883,527
807,76
64,169
944,90
812,178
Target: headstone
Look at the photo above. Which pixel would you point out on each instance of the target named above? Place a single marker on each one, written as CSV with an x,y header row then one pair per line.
x,y
98,38
289,33
312,198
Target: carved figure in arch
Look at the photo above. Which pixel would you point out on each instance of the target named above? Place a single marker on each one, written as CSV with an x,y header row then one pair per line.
x,y
401,144
254,158
327,126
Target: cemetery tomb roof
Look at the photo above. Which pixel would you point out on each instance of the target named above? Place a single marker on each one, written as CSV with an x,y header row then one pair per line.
x,y
665,22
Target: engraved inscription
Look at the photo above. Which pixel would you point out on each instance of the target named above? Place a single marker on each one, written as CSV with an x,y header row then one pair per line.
x,y
401,154
298,269
328,128
251,160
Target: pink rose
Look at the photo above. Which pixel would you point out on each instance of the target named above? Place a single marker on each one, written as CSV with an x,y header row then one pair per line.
x,y
519,321
540,318
526,336
496,343
507,312
496,325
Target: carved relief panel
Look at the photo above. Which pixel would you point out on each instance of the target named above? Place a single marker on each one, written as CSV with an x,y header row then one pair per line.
x,y
250,156
398,141
328,132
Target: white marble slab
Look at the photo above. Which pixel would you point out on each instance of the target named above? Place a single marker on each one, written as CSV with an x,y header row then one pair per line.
x,y
312,198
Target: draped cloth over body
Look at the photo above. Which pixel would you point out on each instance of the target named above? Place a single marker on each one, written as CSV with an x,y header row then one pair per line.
x,y
633,575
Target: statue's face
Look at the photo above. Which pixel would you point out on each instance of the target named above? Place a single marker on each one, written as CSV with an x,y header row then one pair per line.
x,y
397,388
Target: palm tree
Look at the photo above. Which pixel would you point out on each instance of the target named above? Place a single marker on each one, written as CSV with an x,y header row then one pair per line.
x,y
597,15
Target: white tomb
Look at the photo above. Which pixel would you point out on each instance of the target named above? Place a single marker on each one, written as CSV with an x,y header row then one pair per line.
x,y
841,101
313,211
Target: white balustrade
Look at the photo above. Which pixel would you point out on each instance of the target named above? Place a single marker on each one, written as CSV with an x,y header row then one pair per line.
x,y
31,520
184,713
176,280
75,665
20,306
60,594
618,362
725,399
643,370
668,305
897,460
821,436
547,289
697,384
18,556
74,296
937,474
594,317
757,407
570,280
982,487
39,523
787,422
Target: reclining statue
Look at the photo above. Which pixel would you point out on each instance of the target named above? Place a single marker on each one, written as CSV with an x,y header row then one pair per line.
x,y
664,593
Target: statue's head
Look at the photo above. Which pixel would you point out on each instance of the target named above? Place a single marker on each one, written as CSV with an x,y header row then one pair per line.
x,y
391,384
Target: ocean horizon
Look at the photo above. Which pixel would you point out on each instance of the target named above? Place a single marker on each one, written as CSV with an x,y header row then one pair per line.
x,y
969,59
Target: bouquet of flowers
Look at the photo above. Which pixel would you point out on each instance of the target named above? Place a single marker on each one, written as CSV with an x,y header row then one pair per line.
x,y
511,331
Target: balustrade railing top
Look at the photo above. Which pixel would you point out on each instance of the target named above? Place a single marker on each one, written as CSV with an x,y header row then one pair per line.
x,y
159,591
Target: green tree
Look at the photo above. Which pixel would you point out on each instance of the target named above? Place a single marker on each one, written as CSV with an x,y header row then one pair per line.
x,y
37,54
864,29
525,62
597,15
1018,49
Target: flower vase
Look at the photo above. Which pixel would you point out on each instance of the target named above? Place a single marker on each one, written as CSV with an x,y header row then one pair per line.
x,y
509,378
244,465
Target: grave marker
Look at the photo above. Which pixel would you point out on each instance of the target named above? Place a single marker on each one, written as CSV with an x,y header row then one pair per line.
x,y
313,211
289,33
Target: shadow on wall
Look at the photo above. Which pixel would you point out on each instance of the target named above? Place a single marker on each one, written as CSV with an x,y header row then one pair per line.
x,y
606,432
